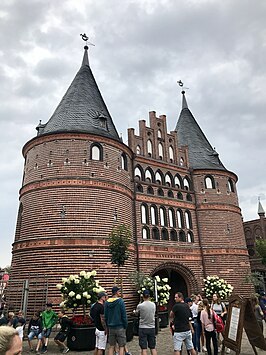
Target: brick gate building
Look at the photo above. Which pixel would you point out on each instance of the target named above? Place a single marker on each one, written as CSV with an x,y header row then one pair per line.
x,y
171,189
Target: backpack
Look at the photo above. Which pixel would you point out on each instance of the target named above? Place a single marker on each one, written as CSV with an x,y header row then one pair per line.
x,y
218,322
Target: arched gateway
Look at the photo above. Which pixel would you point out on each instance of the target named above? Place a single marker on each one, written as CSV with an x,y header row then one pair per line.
x,y
180,278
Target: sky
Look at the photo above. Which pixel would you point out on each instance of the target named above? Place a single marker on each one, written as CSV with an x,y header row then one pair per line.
x,y
142,48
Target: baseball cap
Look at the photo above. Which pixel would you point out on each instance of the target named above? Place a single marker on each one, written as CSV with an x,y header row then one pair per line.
x,y
115,289
146,293
101,294
188,299
262,293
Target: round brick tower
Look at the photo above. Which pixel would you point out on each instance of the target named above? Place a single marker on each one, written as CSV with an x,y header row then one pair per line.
x,y
219,220
76,186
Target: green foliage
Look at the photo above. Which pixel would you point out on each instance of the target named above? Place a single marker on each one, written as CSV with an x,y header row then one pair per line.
x,y
256,279
261,249
119,241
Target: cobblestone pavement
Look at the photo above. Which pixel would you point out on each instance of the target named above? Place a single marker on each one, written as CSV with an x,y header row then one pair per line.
x,y
164,346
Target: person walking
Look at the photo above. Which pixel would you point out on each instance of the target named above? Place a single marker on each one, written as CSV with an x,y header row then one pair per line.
x,y
116,321
60,337
206,318
146,312
97,314
182,326
49,319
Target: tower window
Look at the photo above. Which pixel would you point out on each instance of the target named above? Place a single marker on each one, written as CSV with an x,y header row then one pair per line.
x,y
144,214
155,233
187,184
165,235
162,217
182,236
159,133
145,233
179,215
150,190
173,235
124,161
171,154
160,149
96,152
209,182
154,217
138,150
190,237
188,220
230,185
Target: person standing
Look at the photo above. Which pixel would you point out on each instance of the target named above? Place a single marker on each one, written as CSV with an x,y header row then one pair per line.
x,y
206,318
182,325
146,311
49,319
116,321
97,314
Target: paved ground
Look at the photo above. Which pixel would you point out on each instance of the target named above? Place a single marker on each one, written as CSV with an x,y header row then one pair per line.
x,y
164,342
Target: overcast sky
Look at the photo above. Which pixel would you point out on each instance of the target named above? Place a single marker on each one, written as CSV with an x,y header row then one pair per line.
x,y
142,47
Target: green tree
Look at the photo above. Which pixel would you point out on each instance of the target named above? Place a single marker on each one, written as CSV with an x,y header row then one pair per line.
x,y
119,241
261,249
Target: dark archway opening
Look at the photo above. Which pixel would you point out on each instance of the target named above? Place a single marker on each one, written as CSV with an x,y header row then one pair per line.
x,y
177,283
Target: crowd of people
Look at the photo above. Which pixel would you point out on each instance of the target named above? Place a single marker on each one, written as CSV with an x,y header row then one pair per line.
x,y
193,322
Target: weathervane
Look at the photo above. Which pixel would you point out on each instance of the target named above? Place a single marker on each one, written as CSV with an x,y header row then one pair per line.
x,y
86,38
180,83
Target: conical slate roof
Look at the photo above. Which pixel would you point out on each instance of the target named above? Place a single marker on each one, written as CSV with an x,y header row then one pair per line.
x,y
82,109
200,153
261,211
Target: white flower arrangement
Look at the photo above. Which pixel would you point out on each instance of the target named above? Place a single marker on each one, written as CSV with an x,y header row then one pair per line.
x,y
163,289
213,284
79,290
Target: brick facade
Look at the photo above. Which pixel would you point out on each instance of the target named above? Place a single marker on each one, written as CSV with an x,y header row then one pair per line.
x,y
185,222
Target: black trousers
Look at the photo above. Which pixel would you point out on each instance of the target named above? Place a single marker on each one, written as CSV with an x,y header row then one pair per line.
x,y
208,336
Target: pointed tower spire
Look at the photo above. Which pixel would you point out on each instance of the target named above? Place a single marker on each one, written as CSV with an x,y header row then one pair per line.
x,y
184,101
82,109
261,211
200,153
85,60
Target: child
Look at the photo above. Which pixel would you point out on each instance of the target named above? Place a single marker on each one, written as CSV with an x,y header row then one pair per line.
x,y
35,330
20,327
49,319
61,336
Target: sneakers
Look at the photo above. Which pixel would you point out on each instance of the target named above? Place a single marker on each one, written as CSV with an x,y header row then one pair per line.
x,y
128,353
228,351
44,349
66,350
204,348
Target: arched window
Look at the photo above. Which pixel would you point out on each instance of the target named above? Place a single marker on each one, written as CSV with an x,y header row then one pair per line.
x,y
230,185
144,214
181,161
170,194
158,178
190,237
173,235
162,217
148,175
138,150
165,235
189,197
209,182
160,192
154,216
155,233
150,190
149,147
139,188
96,152
179,196
168,180
145,233
186,183
188,220
159,133
171,154
124,161
180,221
138,174
182,236
160,150
171,215
178,183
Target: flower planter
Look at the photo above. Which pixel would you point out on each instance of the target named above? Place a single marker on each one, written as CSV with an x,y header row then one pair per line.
x,y
130,329
163,319
81,338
